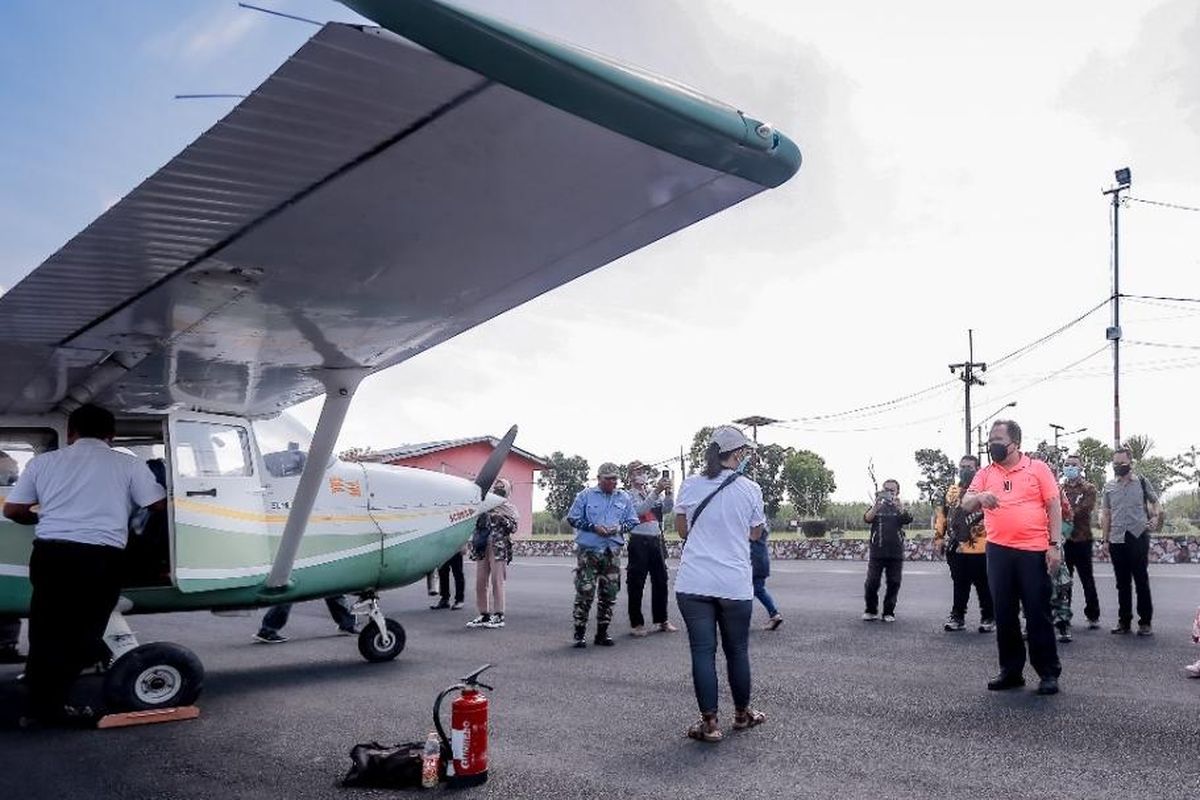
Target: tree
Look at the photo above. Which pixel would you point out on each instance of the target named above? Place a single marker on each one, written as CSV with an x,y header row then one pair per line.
x,y
768,473
696,454
1139,446
1187,468
1095,456
937,473
1159,473
1052,456
809,482
356,454
563,479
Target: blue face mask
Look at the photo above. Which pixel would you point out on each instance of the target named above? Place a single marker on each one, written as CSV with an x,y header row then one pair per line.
x,y
745,465
1071,473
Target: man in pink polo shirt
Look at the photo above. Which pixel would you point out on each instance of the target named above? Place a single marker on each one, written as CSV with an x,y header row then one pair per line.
x,y
1023,518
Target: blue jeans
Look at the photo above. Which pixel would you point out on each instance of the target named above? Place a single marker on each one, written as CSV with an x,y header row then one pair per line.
x,y
703,617
764,597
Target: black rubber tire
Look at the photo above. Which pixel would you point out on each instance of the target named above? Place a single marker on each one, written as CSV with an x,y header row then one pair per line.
x,y
155,675
370,647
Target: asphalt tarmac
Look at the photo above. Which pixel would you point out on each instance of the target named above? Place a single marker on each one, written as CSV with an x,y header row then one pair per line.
x,y
856,710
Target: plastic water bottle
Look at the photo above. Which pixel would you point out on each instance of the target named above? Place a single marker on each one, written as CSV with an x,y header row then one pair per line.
x,y
429,761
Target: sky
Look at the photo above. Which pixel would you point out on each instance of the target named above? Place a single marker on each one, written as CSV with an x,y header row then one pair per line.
x,y
954,157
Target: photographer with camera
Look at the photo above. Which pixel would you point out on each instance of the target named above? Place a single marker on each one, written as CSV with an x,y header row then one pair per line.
x,y
963,538
647,551
887,519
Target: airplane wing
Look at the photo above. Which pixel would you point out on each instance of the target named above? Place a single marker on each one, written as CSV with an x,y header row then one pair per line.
x,y
370,200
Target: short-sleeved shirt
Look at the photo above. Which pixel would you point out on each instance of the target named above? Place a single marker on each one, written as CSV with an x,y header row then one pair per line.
x,y
1020,520
87,492
1125,502
716,557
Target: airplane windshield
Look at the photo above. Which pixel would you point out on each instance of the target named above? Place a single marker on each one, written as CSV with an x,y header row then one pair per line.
x,y
284,443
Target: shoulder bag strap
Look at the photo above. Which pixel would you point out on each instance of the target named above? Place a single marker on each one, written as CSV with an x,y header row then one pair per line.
x,y
704,503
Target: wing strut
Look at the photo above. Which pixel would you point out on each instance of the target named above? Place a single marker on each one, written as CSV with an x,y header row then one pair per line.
x,y
340,385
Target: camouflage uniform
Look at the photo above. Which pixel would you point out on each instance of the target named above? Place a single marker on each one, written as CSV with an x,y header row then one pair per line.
x,y
1060,597
597,572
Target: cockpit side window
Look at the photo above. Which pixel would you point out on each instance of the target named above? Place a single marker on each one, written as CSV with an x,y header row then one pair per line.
x,y
18,445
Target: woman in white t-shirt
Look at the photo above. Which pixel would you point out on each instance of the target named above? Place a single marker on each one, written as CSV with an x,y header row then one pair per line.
x,y
718,512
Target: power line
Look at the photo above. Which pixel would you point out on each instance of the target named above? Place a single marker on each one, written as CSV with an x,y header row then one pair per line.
x,y
1164,299
947,414
1165,344
875,409
1175,206
1020,351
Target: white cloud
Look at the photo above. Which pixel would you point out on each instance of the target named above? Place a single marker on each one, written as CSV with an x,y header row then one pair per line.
x,y
202,38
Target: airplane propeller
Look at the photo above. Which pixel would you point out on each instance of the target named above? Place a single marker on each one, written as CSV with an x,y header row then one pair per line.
x,y
491,467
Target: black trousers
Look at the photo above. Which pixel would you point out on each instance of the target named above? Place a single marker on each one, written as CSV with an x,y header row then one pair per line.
x,y
1078,558
453,564
10,630
876,567
1130,562
75,589
1019,578
646,558
967,570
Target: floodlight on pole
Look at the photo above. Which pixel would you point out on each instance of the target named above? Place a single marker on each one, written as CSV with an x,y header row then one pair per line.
x,y
754,423
1124,178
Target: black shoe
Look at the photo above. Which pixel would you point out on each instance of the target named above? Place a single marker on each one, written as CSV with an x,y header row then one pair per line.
x,y
1121,630
580,638
1005,681
439,605
66,717
602,638
1064,633
954,623
10,655
1047,685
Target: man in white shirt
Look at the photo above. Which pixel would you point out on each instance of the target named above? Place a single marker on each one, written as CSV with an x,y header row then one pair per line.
x,y
86,494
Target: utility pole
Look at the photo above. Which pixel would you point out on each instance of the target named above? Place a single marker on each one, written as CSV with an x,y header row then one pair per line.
x,y
1113,334
1058,429
968,378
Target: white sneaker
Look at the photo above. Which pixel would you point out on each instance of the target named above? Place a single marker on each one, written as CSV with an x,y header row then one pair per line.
x,y
889,617
1194,669
497,621
481,621
869,617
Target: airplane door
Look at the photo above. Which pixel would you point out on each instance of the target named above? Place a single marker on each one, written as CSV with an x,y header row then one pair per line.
x,y
221,536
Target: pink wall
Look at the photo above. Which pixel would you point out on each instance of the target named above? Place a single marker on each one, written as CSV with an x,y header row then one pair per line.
x,y
465,461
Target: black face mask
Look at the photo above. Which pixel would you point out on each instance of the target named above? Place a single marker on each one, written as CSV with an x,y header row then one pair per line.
x,y
1121,470
998,451
965,474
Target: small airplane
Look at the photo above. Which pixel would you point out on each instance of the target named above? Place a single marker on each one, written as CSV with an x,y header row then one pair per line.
x,y
370,200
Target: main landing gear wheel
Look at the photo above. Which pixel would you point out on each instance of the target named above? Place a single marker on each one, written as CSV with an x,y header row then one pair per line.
x,y
378,646
156,675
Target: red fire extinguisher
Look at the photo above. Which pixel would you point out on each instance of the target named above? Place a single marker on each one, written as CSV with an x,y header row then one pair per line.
x,y
465,750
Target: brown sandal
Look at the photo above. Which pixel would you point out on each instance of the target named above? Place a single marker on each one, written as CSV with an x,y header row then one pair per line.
x,y
748,718
705,730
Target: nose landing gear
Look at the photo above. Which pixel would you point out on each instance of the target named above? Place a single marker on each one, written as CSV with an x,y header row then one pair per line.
x,y
381,639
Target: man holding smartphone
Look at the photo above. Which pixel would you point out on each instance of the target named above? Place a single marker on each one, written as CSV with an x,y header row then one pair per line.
x,y
887,519
647,555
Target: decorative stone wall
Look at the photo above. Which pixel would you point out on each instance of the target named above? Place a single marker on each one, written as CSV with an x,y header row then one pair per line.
x,y
1163,549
